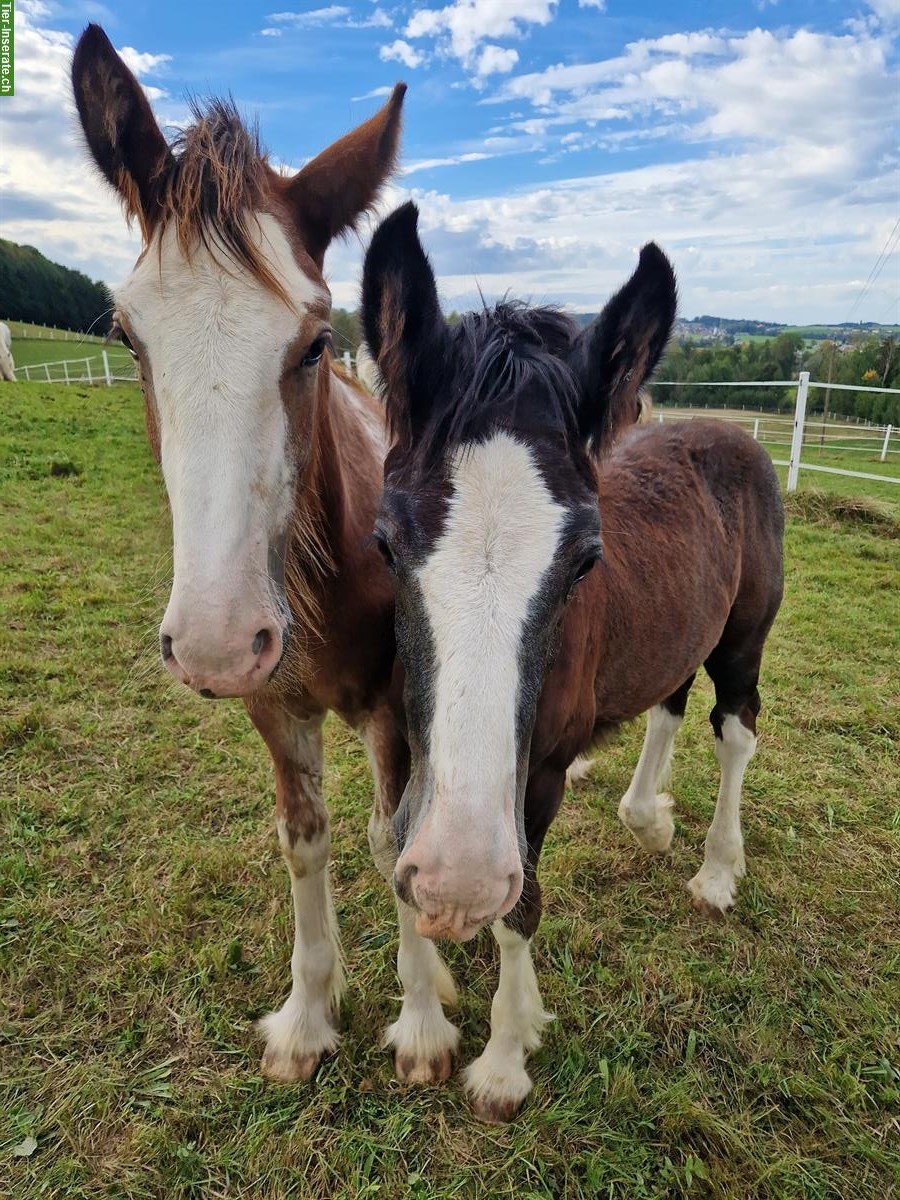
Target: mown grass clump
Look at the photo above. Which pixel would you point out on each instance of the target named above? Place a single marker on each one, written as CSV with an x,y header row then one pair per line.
x,y
145,920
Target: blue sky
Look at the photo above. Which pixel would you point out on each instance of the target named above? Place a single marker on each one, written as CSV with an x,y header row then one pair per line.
x,y
545,140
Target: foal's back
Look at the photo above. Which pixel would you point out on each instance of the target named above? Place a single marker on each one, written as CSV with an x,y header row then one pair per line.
x,y
692,530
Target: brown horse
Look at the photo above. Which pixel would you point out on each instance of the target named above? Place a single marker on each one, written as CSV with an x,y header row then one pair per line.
x,y
525,635
273,466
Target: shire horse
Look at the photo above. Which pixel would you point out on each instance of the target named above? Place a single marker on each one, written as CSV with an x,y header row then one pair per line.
x,y
527,629
273,466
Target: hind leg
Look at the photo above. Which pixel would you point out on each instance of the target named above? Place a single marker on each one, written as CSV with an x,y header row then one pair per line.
x,y
643,810
714,887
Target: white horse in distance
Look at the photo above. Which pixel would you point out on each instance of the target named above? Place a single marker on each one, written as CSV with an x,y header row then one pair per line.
x,y
7,365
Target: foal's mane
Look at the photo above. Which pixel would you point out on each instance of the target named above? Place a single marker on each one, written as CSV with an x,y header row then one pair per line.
x,y
509,368
216,177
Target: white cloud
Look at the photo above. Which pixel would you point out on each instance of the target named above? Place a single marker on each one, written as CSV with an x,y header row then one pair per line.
x,y
600,5
495,60
379,19
402,52
375,94
312,16
270,32
143,63
427,164
462,26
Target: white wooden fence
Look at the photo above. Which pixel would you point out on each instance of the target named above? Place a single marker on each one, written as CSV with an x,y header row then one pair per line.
x,y
799,432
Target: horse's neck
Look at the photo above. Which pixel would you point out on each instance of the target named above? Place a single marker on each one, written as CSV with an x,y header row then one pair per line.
x,y
349,460
339,591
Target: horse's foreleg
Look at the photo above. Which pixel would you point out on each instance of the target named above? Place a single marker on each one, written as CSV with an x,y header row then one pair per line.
x,y
423,1041
304,1029
644,810
497,1080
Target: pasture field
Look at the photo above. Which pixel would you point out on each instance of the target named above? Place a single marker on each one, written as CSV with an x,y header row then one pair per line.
x,y
145,914
28,351
27,329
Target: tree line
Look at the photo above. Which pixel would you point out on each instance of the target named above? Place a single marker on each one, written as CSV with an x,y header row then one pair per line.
x,y
34,289
873,361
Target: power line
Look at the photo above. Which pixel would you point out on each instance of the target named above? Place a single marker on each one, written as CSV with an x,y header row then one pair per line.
x,y
879,266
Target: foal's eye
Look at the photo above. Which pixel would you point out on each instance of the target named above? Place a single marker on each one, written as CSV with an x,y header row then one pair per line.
x,y
316,350
384,550
587,565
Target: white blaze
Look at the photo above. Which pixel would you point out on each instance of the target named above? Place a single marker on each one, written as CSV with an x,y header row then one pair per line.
x,y
215,340
501,536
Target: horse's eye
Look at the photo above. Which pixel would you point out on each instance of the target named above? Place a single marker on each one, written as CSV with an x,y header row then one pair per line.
x,y
586,567
117,333
384,550
316,350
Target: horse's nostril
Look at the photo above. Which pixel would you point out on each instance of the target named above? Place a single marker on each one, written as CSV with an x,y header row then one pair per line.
x,y
165,647
261,640
207,694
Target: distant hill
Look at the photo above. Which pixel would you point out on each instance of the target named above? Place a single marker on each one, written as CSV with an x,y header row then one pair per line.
x,y
710,327
32,288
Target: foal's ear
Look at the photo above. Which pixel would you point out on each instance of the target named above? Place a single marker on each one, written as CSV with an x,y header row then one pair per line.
x,y
335,188
118,123
614,355
402,320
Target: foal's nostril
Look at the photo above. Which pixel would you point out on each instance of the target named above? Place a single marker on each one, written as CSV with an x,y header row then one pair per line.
x,y
207,694
165,647
261,640
403,883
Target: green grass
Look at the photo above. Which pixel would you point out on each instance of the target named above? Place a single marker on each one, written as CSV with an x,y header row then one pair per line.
x,y
27,329
145,920
29,351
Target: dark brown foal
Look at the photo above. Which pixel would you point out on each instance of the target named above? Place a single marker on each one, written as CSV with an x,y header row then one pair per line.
x,y
545,595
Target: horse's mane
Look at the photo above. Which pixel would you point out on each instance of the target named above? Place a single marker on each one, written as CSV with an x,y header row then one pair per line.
x,y
217,177
509,367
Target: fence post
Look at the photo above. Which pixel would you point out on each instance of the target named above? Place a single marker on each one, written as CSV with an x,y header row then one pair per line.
x,y
756,430
65,368
797,438
660,418
348,363
27,376
887,438
47,371
87,363
106,368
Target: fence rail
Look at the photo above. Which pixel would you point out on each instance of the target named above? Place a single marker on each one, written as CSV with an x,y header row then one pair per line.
x,y
804,433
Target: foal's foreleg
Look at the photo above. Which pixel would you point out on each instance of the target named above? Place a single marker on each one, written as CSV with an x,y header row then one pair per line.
x,y
497,1080
714,887
643,810
423,1041
304,1029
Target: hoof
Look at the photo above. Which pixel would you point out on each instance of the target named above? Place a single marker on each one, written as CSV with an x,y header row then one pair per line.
x,y
495,1110
656,837
437,1069
290,1068
714,892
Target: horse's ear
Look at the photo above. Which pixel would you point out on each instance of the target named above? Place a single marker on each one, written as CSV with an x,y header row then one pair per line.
x,y
615,354
118,123
335,188
402,320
